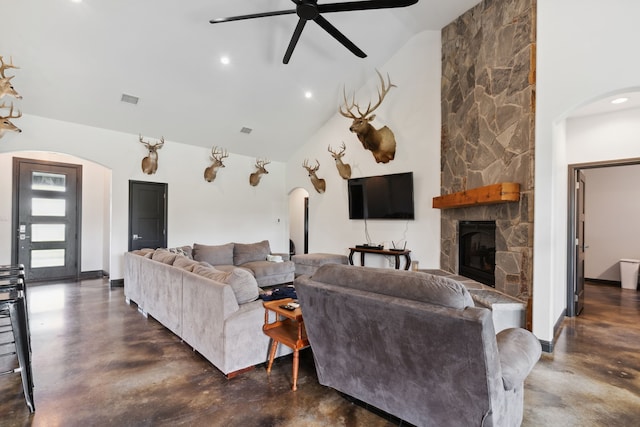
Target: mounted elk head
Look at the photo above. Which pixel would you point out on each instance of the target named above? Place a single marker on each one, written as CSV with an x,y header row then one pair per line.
x,y
217,155
150,163
5,123
344,169
254,178
318,183
381,142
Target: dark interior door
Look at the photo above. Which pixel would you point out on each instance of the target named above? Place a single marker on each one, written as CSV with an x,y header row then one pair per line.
x,y
47,200
580,245
147,215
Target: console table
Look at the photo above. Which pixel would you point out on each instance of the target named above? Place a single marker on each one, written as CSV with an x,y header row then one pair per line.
x,y
396,254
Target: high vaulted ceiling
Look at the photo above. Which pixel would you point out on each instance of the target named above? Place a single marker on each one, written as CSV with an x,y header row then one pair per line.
x,y
76,60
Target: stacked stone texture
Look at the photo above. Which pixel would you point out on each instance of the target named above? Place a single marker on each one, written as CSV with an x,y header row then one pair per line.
x,y
488,112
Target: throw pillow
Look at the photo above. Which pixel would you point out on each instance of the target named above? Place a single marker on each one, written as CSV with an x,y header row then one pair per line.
x,y
164,256
243,284
214,255
185,263
182,250
243,252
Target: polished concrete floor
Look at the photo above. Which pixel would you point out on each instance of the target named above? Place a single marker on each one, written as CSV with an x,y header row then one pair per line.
x,y
98,362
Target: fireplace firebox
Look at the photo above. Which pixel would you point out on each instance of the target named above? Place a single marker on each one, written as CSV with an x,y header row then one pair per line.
x,y
477,251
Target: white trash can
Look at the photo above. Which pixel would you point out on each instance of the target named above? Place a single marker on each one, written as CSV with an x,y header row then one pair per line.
x,y
629,273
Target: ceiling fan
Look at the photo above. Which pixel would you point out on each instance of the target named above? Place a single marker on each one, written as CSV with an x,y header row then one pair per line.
x,y
310,10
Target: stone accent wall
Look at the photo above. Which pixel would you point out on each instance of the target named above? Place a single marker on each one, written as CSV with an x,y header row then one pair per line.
x,y
488,112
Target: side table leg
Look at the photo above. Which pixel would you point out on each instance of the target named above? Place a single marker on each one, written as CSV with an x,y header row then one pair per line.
x,y
272,354
296,361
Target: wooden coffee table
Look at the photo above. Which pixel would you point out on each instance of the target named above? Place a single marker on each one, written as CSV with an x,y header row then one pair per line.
x,y
288,329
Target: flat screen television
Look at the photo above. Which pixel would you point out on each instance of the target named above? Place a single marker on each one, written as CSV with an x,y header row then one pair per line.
x,y
381,197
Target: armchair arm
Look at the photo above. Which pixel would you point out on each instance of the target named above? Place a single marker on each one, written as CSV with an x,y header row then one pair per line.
x,y
519,351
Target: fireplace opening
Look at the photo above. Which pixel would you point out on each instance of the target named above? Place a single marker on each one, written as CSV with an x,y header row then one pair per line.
x,y
477,251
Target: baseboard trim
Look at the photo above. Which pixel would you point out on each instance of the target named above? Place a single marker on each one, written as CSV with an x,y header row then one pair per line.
x,y
547,346
117,283
604,282
96,274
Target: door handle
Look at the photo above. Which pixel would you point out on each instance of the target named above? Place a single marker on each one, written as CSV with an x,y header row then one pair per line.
x,y
136,237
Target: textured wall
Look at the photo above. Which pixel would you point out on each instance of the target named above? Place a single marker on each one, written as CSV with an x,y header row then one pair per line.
x,y
488,111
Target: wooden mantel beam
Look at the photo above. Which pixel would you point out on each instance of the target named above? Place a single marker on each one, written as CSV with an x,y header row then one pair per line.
x,y
490,194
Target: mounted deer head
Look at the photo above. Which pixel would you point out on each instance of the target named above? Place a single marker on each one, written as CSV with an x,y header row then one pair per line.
x,y
318,183
6,88
344,169
254,178
381,142
217,155
5,123
4,66
150,163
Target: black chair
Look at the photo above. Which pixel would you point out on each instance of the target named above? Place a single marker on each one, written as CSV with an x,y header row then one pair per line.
x,y
15,333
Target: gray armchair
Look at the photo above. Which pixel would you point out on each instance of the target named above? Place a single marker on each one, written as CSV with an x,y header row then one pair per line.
x,y
413,345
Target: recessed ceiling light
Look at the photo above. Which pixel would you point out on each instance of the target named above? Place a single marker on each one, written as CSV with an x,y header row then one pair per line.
x,y
619,100
76,1
225,60
308,94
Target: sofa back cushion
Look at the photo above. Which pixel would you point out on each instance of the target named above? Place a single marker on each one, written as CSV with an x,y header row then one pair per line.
x,y
185,263
214,255
163,256
182,250
411,285
247,252
242,282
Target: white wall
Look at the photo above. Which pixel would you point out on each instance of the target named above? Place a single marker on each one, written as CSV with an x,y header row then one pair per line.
x,y
296,218
95,207
612,228
412,112
228,209
584,52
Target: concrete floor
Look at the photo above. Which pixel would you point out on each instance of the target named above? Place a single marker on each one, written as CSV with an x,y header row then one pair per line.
x,y
98,362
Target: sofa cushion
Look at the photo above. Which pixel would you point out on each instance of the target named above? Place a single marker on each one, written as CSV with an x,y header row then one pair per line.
x,y
182,250
214,255
247,252
411,285
185,263
242,282
164,256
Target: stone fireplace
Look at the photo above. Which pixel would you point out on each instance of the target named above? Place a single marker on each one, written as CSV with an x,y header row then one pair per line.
x,y
488,116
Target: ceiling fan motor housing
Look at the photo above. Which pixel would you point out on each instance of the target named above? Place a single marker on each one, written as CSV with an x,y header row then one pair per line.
x,y
307,10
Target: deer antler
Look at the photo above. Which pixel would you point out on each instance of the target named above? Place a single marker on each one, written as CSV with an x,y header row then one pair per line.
x,y
343,148
218,154
159,144
382,92
261,163
10,116
4,66
309,169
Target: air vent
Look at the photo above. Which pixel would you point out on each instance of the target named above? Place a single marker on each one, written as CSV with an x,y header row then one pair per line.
x,y
246,130
129,99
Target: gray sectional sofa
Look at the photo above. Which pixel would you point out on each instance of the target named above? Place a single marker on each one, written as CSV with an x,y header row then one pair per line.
x,y
215,310
414,345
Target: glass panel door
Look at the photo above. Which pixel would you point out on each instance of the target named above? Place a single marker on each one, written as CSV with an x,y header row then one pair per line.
x,y
48,198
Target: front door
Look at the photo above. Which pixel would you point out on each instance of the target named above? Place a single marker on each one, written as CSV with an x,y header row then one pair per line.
x,y
47,200
147,215
580,247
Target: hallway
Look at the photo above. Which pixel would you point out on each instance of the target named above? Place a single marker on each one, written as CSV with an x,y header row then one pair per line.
x,y
99,362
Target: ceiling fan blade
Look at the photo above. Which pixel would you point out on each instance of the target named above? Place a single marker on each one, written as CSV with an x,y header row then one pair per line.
x,y
294,40
252,16
364,5
340,37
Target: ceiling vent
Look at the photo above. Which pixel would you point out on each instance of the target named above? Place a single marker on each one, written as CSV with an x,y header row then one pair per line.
x,y
129,99
246,130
